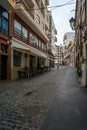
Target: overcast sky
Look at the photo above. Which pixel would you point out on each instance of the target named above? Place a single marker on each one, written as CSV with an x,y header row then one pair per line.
x,y
61,16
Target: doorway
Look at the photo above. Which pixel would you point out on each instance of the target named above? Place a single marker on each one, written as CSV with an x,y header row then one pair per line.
x,y
86,65
3,67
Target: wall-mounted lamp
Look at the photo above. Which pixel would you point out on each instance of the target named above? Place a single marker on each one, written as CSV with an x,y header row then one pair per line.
x,y
9,41
72,24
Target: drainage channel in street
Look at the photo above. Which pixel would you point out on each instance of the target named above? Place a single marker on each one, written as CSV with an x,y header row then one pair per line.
x,y
31,111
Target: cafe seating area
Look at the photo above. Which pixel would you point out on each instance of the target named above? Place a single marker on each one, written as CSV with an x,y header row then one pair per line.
x,y
31,72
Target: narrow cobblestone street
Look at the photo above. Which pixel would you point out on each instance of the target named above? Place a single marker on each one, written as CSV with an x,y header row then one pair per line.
x,y
69,107
18,96
51,101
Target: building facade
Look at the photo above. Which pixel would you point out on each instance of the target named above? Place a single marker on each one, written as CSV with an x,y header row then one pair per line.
x,y
59,54
52,38
68,42
81,38
5,56
24,27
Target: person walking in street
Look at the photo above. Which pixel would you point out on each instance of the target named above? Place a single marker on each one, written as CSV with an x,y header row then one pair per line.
x,y
57,66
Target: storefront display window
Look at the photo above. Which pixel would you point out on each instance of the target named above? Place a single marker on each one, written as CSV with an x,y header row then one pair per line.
x,y
17,59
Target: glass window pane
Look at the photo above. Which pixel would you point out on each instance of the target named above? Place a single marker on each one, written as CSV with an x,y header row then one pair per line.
x,y
0,23
39,43
0,9
4,48
42,46
37,19
4,26
17,59
17,27
24,33
36,42
42,25
5,14
45,47
32,38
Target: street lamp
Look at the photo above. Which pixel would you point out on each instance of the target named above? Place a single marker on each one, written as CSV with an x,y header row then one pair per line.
x,y
81,27
72,23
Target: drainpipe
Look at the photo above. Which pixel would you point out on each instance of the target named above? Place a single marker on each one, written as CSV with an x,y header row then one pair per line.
x,y
83,80
84,68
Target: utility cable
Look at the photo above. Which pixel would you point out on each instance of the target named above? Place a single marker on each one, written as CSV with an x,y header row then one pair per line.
x,y
69,2
55,6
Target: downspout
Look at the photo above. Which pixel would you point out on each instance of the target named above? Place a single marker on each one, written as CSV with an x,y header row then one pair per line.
x,y
84,70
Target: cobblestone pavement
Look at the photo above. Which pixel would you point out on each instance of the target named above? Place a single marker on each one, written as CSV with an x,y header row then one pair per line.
x,y
37,92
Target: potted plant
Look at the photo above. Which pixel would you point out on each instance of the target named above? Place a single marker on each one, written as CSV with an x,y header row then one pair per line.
x,y
79,73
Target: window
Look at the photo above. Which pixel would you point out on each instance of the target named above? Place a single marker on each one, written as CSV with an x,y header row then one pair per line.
x,y
36,42
0,10
24,33
4,14
0,24
17,28
4,48
40,44
3,21
45,47
42,25
4,26
32,39
17,59
37,19
46,18
20,30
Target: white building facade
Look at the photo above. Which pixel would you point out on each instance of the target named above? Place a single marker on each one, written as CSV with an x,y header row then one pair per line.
x,y
69,48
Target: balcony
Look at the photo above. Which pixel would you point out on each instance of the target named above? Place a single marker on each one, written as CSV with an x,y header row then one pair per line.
x,y
26,5
42,3
50,35
55,39
28,2
55,32
7,5
25,10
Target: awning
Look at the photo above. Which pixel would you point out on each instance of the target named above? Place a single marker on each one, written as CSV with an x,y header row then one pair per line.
x,y
21,49
20,46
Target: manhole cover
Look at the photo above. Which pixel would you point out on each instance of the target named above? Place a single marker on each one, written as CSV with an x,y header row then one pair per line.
x,y
32,111
28,93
